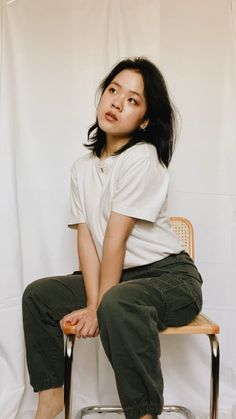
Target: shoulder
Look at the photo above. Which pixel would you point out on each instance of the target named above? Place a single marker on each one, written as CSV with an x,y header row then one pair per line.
x,y
82,161
141,151
143,155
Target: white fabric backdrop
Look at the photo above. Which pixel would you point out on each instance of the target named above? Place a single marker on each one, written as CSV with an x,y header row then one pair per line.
x,y
53,55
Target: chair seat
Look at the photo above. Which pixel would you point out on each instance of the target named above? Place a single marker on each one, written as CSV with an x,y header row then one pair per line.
x,y
201,325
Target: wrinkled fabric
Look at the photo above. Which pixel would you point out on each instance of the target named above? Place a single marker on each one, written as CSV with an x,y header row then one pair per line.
x,y
148,298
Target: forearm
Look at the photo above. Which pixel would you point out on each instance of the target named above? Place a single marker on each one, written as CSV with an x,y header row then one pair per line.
x,y
118,230
112,264
99,277
89,263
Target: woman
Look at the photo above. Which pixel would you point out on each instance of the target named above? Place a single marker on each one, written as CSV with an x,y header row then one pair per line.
x,y
135,277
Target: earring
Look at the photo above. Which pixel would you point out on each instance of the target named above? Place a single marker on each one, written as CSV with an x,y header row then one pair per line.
x,y
142,129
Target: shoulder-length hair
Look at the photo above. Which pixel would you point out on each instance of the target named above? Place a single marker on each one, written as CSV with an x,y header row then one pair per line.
x,y
161,128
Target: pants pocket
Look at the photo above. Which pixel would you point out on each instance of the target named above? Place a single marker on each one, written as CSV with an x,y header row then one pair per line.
x,y
183,304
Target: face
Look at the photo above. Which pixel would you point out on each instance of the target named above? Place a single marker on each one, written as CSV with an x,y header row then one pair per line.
x,y
122,107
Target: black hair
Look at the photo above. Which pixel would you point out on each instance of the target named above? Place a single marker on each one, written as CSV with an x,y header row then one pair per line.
x,y
161,128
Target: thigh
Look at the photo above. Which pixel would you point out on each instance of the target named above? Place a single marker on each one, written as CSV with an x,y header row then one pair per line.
x,y
169,295
173,286
57,295
138,299
182,300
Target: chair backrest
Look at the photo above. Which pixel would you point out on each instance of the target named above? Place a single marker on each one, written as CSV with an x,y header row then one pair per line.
x,y
184,230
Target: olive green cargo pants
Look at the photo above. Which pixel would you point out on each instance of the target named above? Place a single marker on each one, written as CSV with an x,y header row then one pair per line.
x,y
148,298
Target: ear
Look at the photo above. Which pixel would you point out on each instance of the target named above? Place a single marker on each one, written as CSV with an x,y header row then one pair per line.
x,y
144,124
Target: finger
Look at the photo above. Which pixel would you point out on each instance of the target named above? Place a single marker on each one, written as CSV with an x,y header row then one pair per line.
x,y
64,321
73,319
68,315
85,331
66,327
74,316
89,328
79,326
90,334
69,329
92,331
96,333
77,334
63,325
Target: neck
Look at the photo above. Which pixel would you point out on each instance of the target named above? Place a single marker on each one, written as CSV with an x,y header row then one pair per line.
x,y
113,145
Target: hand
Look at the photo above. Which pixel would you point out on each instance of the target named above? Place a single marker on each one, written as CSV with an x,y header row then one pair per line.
x,y
84,320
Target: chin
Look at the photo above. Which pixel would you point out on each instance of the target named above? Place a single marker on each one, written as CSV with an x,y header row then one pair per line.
x,y
103,125
106,127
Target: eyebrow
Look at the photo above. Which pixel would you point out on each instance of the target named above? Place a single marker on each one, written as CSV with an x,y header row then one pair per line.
x,y
131,91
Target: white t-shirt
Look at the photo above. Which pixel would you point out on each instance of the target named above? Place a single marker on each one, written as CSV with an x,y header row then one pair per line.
x,y
133,183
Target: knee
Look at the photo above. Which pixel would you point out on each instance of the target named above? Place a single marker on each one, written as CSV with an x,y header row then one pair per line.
x,y
112,305
33,290
28,291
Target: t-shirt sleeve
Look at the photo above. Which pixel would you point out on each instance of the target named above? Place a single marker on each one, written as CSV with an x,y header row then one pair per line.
x,y
142,188
76,213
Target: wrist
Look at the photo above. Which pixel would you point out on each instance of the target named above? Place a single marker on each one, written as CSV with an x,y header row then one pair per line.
x,y
92,304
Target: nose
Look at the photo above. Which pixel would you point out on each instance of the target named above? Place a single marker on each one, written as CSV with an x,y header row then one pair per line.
x,y
117,103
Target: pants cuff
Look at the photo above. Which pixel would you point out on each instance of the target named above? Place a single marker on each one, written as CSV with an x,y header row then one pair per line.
x,y
47,384
137,411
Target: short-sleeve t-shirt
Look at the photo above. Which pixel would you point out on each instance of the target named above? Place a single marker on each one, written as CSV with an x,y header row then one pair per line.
x,y
132,183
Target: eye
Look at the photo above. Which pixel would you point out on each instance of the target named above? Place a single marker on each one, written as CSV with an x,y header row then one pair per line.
x,y
133,101
112,90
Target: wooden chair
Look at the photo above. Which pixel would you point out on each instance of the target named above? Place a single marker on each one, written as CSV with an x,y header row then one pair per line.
x,y
201,325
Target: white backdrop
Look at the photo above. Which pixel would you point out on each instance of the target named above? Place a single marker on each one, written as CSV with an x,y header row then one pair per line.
x,y
53,55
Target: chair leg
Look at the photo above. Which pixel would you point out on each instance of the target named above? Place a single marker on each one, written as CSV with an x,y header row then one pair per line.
x,y
215,368
214,390
179,409
70,340
98,409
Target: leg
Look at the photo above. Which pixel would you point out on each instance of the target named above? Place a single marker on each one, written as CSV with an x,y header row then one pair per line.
x,y
45,302
129,316
128,330
50,403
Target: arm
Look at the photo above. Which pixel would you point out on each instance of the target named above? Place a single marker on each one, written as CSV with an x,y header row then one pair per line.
x,y
118,230
89,263
86,319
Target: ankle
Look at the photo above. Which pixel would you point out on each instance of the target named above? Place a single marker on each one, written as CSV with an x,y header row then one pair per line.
x,y
51,403
48,412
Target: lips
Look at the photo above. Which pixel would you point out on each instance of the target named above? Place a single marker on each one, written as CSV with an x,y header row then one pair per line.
x,y
110,116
